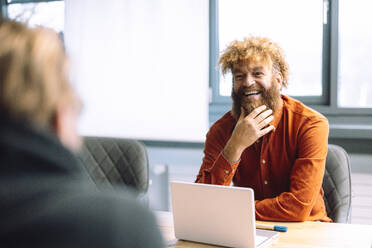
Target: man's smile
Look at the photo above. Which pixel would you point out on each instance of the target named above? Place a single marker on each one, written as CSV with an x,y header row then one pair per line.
x,y
252,93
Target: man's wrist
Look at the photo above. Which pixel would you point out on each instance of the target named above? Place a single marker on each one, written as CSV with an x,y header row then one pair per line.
x,y
231,153
229,160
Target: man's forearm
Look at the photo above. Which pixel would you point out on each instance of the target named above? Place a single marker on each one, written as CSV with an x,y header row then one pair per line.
x,y
231,152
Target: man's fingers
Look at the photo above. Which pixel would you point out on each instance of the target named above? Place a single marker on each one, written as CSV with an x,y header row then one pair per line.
x,y
266,130
263,115
257,111
265,122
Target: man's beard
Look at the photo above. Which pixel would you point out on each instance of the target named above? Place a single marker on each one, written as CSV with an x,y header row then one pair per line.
x,y
270,98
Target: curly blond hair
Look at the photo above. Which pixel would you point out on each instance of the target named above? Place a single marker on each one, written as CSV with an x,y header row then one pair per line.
x,y
255,49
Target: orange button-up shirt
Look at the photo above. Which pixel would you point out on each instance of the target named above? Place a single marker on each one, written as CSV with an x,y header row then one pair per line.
x,y
285,167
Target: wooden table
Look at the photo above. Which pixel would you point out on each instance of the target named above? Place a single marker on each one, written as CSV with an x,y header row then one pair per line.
x,y
300,234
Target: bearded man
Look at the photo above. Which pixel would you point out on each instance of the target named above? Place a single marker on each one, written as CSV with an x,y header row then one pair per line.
x,y
269,142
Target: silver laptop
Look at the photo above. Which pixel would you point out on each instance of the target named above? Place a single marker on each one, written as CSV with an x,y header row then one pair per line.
x,y
214,214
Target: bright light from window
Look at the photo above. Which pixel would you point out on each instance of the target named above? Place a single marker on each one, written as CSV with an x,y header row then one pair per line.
x,y
48,14
355,54
296,25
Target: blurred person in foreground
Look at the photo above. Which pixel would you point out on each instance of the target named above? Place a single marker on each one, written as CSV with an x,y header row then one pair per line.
x,y
45,198
269,142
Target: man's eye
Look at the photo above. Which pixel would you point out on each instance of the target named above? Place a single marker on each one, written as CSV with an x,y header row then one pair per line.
x,y
238,77
258,74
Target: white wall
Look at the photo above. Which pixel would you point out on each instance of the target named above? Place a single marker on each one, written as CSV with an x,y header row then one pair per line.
x,y
141,67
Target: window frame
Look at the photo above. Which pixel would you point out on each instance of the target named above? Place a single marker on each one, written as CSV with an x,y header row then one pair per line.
x,y
347,121
3,9
5,3
214,73
8,2
344,122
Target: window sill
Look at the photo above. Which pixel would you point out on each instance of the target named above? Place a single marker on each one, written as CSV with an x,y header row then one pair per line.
x,y
350,131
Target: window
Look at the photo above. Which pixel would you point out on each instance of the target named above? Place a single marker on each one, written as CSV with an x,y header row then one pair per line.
x,y
328,47
48,13
355,54
297,28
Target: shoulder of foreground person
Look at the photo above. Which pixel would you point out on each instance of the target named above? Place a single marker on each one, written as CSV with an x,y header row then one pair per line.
x,y
75,216
113,219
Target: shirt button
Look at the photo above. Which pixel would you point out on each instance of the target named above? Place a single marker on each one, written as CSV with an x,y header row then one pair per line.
x,y
227,172
265,182
263,161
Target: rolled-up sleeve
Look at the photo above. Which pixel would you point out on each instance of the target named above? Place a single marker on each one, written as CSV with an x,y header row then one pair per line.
x,y
215,168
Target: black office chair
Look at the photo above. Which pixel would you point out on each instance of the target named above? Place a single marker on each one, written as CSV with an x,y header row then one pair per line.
x,y
114,162
337,185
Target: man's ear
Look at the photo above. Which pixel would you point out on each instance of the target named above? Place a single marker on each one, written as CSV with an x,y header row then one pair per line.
x,y
278,78
64,123
55,123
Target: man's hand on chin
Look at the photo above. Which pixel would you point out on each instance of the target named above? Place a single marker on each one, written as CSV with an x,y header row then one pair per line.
x,y
247,130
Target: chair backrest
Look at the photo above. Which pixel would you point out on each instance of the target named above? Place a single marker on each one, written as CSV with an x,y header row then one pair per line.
x,y
337,185
111,162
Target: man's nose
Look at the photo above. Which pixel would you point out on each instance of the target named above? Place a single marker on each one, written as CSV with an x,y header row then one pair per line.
x,y
249,80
